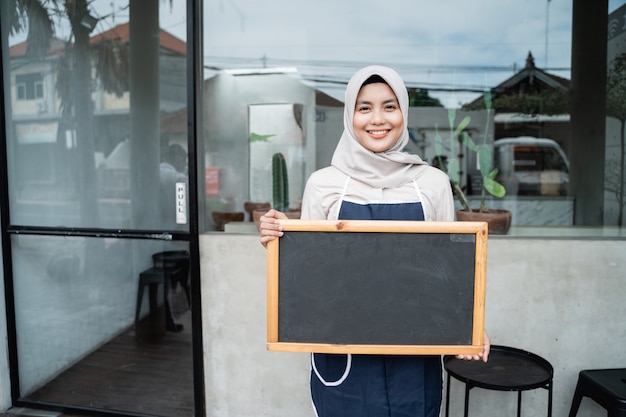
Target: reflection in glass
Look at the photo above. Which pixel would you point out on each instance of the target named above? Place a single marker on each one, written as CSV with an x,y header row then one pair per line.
x,y
78,343
449,55
86,336
275,128
249,116
72,152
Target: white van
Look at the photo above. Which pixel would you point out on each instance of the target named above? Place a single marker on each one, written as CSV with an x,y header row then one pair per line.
x,y
531,166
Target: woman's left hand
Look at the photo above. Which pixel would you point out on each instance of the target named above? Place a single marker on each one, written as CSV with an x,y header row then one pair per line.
x,y
484,355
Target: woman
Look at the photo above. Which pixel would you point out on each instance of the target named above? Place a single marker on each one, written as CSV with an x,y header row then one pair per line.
x,y
371,178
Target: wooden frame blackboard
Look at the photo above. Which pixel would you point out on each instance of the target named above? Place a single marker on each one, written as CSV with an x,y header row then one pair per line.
x,y
377,287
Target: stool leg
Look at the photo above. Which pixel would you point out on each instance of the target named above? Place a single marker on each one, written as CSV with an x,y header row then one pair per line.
x,y
139,301
467,391
578,396
187,293
183,278
617,413
170,323
519,403
550,399
448,395
153,289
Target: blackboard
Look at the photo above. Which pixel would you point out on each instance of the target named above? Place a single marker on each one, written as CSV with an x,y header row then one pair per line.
x,y
353,286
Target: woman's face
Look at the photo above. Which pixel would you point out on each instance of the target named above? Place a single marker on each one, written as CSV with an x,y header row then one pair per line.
x,y
378,120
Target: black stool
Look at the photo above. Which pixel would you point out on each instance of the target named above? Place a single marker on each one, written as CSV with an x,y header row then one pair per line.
x,y
606,387
508,369
176,263
152,277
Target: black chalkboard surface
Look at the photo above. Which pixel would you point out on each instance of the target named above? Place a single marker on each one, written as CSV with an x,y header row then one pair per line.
x,y
399,287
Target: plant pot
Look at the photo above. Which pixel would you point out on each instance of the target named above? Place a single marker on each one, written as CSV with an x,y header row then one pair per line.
x,y
256,216
498,221
293,213
250,206
222,217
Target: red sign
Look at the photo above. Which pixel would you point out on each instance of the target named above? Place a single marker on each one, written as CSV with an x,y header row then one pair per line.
x,y
212,181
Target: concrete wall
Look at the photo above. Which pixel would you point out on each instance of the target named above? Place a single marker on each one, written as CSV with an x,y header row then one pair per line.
x,y
561,299
242,378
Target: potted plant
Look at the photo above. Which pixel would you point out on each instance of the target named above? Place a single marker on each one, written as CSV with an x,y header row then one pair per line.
x,y
499,220
280,190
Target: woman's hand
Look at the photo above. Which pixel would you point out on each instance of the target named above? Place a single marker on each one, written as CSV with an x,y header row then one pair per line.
x,y
484,355
269,228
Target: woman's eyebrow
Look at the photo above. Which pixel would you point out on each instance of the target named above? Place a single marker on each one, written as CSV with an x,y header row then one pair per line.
x,y
389,100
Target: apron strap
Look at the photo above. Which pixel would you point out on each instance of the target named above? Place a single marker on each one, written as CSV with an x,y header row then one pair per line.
x,y
343,194
338,382
421,199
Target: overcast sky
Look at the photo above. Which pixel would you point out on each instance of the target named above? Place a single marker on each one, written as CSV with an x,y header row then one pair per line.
x,y
447,44
444,44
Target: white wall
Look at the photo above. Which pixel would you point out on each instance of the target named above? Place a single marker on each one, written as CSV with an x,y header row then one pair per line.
x,y
561,299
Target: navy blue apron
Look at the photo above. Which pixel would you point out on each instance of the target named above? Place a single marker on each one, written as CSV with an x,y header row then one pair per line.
x,y
377,385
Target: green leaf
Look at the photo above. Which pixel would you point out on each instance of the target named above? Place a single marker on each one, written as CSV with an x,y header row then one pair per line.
x,y
466,140
484,159
466,121
255,137
451,117
454,170
487,96
493,187
438,141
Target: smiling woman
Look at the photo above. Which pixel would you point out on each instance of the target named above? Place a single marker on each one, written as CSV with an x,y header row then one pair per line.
x,y
85,134
377,120
371,178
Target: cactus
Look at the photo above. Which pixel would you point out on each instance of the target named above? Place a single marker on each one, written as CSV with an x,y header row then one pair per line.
x,y
280,183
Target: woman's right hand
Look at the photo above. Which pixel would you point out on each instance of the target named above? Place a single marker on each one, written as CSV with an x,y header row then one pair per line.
x,y
269,228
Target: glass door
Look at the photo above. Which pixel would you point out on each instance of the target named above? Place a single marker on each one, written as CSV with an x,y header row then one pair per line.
x,y
102,264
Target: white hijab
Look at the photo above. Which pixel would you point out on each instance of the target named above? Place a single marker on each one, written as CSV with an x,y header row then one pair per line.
x,y
386,169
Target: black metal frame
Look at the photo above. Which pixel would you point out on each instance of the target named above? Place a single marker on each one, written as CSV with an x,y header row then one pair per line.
x,y
7,265
194,112
195,96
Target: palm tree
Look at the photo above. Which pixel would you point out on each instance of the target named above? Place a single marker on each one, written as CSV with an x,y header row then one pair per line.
x,y
24,14
111,61
76,105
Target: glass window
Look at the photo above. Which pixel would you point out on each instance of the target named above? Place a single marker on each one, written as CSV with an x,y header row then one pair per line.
x,y
93,141
81,304
531,166
97,150
21,91
29,86
506,66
